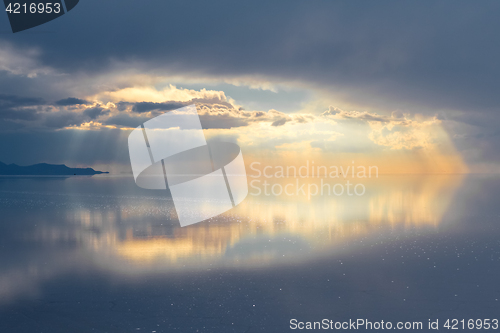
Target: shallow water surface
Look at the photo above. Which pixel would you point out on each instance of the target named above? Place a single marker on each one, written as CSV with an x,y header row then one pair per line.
x,y
99,254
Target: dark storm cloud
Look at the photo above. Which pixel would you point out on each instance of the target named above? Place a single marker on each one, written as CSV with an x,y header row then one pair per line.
x,y
34,112
93,113
214,114
209,121
438,54
13,101
420,56
150,106
71,101
22,114
18,108
122,106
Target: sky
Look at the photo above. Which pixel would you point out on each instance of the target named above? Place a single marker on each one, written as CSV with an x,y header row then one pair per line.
x,y
408,86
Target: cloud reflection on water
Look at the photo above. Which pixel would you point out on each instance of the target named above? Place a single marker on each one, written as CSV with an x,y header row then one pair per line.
x,y
83,225
264,229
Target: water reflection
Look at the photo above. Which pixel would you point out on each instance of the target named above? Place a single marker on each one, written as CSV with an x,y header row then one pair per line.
x,y
139,234
52,227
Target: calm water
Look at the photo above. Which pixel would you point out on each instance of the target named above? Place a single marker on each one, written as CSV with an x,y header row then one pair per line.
x,y
98,254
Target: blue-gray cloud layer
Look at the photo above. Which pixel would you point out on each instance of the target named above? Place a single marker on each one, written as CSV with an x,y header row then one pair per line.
x,y
395,54
442,54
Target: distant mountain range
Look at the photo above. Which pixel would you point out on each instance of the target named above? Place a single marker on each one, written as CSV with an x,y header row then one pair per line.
x,y
44,169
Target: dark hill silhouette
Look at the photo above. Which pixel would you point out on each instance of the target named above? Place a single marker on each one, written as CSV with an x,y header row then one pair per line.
x,y
44,169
